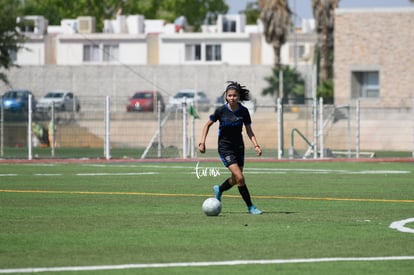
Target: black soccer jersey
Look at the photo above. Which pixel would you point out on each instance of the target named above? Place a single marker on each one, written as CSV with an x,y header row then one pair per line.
x,y
231,124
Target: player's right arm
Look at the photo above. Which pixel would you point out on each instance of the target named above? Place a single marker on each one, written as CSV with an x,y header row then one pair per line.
x,y
202,144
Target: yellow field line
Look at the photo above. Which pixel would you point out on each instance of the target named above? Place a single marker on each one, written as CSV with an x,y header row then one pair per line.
x,y
200,195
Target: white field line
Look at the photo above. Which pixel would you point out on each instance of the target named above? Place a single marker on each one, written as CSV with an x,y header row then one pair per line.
x,y
201,264
269,170
118,174
400,225
196,168
48,175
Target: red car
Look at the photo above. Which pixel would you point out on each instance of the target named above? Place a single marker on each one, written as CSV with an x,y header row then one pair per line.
x,y
145,101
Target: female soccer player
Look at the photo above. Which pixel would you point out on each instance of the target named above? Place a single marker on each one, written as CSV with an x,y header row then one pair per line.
x,y
232,116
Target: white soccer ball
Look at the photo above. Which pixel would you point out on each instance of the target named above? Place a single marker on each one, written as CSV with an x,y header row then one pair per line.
x,y
211,207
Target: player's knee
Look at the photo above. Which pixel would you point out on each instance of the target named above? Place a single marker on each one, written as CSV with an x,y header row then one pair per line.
x,y
239,180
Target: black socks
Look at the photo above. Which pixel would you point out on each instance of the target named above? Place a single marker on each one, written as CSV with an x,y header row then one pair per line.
x,y
225,185
244,192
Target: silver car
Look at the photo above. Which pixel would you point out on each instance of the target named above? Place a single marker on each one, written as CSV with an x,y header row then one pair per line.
x,y
199,100
63,101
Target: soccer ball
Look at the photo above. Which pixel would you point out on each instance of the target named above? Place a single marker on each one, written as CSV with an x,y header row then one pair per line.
x,y
211,207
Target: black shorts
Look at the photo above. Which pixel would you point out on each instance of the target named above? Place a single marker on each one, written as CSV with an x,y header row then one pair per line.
x,y
231,155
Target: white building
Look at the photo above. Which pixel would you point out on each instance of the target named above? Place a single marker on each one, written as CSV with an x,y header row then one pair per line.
x,y
132,40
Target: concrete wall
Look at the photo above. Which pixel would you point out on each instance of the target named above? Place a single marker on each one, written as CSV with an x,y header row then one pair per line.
x,y
120,81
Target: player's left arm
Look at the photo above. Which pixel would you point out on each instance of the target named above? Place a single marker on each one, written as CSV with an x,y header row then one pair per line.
x,y
253,139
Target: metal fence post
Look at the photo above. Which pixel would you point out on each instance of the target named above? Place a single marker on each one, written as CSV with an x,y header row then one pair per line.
x,y
29,128
52,128
159,128
321,146
184,105
358,120
279,129
192,140
107,128
315,128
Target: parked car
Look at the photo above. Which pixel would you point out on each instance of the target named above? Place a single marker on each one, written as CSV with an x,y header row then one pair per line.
x,y
17,100
202,102
220,100
250,105
63,101
145,101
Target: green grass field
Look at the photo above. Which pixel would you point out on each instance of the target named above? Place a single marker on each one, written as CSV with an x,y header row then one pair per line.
x,y
149,215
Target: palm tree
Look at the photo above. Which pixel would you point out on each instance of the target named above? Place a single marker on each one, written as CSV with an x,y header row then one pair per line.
x,y
293,84
276,18
324,14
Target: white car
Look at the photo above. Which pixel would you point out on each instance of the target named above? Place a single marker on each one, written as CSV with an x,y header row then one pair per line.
x,y
199,99
62,100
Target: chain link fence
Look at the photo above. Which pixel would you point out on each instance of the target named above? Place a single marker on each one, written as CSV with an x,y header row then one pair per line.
x,y
310,130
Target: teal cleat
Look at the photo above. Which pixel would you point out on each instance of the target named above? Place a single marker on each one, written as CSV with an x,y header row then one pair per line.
x,y
216,189
254,211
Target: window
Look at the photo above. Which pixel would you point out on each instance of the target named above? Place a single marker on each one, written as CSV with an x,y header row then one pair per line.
x,y
199,52
213,52
229,25
28,26
12,55
110,53
100,53
193,52
91,53
365,84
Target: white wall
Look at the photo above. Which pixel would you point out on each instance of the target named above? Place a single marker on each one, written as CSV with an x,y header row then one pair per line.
x,y
68,52
133,53
132,48
235,48
236,53
172,49
33,53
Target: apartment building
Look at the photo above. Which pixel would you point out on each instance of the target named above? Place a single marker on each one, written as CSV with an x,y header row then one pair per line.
x,y
132,40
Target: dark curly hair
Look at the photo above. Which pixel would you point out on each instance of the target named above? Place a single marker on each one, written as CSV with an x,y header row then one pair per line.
x,y
243,92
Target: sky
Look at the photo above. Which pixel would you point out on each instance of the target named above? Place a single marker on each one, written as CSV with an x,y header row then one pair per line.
x,y
304,9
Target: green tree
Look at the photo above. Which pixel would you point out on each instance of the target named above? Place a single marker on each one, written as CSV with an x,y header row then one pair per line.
x,y
326,91
276,18
10,39
252,13
293,84
194,10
